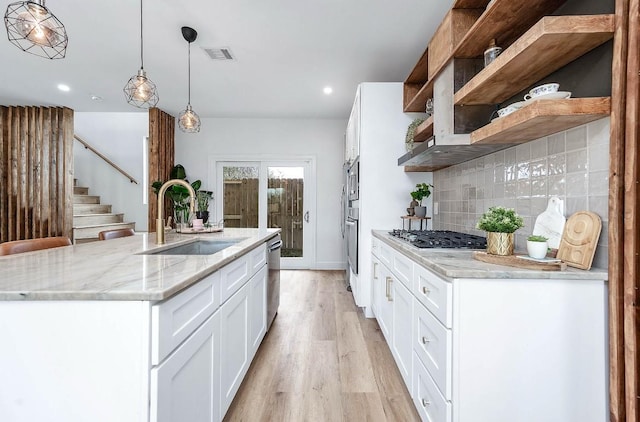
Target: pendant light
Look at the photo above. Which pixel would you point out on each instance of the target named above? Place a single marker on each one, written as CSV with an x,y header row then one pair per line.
x,y
188,120
140,91
33,28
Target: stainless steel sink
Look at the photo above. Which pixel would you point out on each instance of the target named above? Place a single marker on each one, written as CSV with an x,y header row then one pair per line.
x,y
198,247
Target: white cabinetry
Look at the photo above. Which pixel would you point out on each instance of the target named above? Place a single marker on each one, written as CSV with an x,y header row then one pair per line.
x,y
394,312
180,359
185,387
384,186
352,136
495,349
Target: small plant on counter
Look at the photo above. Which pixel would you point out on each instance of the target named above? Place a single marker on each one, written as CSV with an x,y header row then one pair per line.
x,y
537,238
423,190
500,220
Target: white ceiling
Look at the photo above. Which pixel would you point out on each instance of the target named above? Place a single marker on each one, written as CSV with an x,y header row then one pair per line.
x,y
286,52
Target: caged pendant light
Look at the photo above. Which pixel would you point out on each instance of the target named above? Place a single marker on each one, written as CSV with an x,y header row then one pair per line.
x,y
140,91
188,120
33,28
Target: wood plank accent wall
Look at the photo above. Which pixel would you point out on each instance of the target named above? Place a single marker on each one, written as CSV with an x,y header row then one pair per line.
x,y
161,158
36,172
624,217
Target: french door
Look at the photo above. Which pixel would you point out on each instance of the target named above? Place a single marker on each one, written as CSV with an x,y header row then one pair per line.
x,y
271,194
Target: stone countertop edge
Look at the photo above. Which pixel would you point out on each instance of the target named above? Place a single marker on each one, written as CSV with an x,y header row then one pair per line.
x,y
122,269
459,263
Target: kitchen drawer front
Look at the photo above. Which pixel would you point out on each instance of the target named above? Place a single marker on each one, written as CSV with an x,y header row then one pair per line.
x,y
432,343
386,254
174,319
234,275
403,269
431,405
434,293
375,247
258,258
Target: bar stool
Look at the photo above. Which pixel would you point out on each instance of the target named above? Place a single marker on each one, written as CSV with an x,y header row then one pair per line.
x,y
113,234
28,245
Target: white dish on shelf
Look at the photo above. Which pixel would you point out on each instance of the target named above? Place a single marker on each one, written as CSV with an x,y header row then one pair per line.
x,y
560,95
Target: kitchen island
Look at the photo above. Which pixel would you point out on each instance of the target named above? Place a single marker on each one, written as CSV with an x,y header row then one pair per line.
x,y
110,331
481,342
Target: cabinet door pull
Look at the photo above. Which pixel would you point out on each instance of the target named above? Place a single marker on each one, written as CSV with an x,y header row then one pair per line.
x,y
425,340
375,265
425,290
389,280
425,402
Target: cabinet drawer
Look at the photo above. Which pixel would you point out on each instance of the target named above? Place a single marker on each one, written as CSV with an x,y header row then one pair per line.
x,y
431,405
432,343
174,319
400,265
258,258
375,247
234,275
434,293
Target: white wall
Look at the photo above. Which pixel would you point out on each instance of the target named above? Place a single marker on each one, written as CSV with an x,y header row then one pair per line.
x,y
119,137
285,138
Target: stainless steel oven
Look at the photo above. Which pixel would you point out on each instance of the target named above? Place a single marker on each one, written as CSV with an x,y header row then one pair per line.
x,y
352,238
353,180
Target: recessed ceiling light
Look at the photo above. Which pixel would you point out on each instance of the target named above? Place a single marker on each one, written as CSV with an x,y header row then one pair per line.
x,y
64,88
327,90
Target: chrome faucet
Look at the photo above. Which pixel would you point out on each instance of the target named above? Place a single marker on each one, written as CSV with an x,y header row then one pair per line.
x,y
161,192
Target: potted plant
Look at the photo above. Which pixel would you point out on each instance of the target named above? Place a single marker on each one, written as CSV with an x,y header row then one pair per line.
x,y
423,190
537,246
500,223
179,195
203,197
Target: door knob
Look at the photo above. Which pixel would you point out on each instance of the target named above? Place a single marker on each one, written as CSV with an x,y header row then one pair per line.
x,y
306,216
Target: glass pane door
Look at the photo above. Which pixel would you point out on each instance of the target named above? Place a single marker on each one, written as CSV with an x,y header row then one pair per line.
x,y
240,185
286,208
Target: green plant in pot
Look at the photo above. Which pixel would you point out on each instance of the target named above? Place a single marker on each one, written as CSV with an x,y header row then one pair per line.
x,y
537,246
203,197
422,191
178,195
500,223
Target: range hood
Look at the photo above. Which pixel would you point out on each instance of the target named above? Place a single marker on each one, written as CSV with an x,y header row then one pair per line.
x,y
451,143
433,156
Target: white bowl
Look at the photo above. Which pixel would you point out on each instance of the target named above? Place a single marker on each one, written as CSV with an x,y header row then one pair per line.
x,y
510,109
542,90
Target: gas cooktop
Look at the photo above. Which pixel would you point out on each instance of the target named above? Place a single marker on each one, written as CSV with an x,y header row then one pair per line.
x,y
440,239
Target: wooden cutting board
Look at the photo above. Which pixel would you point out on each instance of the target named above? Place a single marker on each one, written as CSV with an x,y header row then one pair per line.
x,y
579,239
514,261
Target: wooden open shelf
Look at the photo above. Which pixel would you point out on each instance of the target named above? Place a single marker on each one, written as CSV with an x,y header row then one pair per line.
x,y
503,20
542,118
424,131
549,45
416,95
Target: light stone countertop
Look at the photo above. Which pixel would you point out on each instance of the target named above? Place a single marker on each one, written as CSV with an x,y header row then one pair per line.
x,y
459,263
116,270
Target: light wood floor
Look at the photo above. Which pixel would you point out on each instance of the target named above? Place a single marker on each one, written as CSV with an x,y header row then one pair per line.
x,y
322,360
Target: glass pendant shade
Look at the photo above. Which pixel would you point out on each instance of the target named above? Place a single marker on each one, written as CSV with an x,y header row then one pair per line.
x,y
140,91
189,121
33,28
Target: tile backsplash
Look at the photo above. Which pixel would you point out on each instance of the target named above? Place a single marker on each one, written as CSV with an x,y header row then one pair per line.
x,y
573,165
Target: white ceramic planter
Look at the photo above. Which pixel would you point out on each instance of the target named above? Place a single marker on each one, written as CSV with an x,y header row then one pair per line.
x,y
537,250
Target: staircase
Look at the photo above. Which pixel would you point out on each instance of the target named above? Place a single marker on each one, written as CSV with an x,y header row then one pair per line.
x,y
90,217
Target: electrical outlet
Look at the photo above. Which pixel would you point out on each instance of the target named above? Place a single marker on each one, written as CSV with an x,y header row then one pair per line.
x,y
435,208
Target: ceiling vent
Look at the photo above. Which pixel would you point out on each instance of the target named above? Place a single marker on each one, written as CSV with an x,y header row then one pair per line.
x,y
222,53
